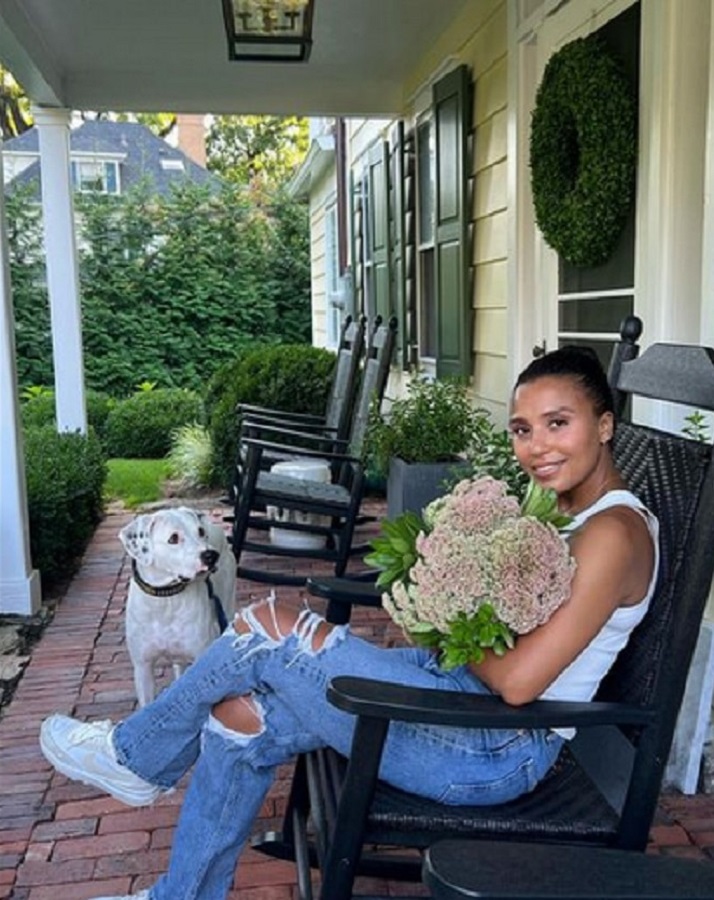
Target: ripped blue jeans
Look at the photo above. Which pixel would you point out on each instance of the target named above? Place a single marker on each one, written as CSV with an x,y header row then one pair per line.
x,y
286,679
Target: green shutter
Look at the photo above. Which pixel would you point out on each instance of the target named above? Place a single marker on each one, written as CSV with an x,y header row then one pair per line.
x,y
452,254
378,231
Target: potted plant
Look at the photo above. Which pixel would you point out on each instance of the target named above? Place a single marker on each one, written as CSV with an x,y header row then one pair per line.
x,y
421,443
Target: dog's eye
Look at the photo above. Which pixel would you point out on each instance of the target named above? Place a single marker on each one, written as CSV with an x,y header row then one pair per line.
x,y
202,532
174,538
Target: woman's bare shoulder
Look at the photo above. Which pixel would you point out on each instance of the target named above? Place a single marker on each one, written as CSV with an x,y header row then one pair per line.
x,y
619,539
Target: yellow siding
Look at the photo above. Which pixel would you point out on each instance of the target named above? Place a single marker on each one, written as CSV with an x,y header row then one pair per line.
x,y
490,333
486,53
491,284
320,193
491,242
491,375
491,144
490,194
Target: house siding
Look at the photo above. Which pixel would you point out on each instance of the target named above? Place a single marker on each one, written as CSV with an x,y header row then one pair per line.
x,y
321,192
486,54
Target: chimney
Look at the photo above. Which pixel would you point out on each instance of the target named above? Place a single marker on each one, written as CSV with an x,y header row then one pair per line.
x,y
192,136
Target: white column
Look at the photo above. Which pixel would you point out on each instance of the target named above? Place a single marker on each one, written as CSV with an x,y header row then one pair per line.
x,y
19,582
62,267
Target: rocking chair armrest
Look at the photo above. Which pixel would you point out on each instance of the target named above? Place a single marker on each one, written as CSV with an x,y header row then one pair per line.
x,y
348,591
386,700
344,593
258,446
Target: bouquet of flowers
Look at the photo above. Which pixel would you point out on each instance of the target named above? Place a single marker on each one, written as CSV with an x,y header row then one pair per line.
x,y
476,571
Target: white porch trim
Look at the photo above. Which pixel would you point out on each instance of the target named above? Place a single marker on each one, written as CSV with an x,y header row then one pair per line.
x,y
62,267
19,582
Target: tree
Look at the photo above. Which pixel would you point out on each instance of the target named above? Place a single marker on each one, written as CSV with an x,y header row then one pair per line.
x,y
249,149
15,115
172,287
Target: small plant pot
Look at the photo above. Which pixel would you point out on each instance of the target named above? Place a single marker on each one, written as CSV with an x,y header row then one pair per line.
x,y
412,486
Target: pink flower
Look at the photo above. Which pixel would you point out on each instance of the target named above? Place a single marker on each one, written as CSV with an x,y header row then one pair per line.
x,y
478,548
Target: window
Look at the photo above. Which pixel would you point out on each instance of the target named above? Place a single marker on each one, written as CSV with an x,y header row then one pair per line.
x,y
95,176
426,196
592,302
173,165
410,230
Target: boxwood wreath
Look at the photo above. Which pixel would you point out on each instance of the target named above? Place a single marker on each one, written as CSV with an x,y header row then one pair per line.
x,y
583,151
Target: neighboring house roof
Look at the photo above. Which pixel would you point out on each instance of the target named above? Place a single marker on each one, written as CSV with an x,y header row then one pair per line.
x,y
140,153
319,157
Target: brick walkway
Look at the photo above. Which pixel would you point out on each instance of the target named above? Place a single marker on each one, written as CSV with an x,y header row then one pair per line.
x,y
64,841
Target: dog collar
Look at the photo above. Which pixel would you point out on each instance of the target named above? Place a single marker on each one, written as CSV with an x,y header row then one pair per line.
x,y
166,590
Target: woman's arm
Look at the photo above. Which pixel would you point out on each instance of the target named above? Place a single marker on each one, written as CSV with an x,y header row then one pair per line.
x,y
614,555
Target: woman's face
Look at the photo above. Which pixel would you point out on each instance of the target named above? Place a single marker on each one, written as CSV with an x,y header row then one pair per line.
x,y
557,436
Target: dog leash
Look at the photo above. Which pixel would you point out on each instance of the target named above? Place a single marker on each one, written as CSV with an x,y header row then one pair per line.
x,y
218,606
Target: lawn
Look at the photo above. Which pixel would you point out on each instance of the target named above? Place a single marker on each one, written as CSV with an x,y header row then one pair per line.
x,y
135,481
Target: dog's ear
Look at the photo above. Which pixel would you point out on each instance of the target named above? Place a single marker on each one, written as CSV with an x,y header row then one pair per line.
x,y
136,538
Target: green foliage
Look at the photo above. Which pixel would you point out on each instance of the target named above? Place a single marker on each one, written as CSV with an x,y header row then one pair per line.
x,y
172,287
33,343
294,377
191,456
434,422
394,553
34,390
697,427
583,151
468,638
262,149
64,475
141,426
491,453
135,481
39,409
15,116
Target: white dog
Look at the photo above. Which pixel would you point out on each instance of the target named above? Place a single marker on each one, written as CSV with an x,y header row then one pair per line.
x,y
181,566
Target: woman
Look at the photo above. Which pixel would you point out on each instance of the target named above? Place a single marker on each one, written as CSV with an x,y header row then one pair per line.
x,y
257,696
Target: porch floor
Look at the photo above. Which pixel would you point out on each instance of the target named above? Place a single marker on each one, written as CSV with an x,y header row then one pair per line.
x,y
64,841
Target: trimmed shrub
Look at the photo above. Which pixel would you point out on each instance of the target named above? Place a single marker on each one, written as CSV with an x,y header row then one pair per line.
x,y
65,474
291,377
141,426
40,410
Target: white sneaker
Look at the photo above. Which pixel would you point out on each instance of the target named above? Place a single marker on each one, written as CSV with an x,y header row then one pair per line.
x,y
83,751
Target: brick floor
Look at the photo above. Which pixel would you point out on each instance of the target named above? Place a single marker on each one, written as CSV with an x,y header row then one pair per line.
x,y
64,841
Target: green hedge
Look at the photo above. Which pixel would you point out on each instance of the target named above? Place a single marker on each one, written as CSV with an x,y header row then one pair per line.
x,y
141,426
292,377
40,410
65,474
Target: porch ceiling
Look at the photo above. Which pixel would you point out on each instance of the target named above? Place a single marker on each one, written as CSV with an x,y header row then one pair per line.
x,y
171,55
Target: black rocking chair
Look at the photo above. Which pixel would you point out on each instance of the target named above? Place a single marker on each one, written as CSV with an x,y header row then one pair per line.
x,y
269,500
604,787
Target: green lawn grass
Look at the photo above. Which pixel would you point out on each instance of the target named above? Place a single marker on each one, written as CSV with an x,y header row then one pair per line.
x,y
135,481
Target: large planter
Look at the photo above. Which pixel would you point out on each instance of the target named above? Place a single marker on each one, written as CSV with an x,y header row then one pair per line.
x,y
412,486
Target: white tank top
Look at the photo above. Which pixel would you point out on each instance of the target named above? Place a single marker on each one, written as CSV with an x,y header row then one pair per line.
x,y
580,680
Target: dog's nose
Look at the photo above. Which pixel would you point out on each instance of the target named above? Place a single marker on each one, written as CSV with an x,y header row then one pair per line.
x,y
210,558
